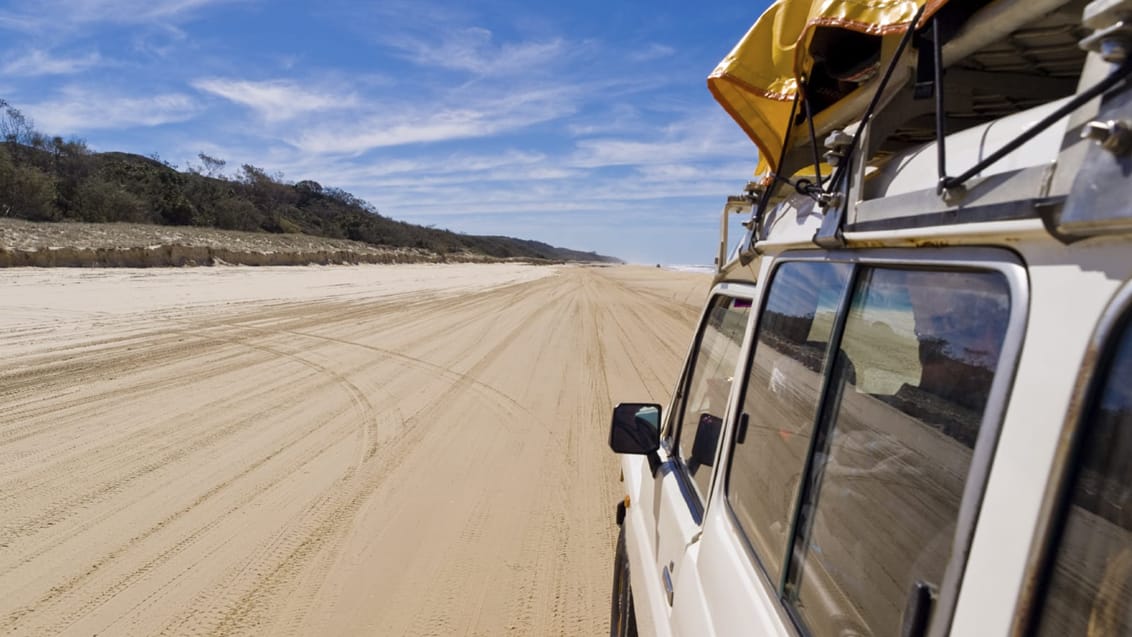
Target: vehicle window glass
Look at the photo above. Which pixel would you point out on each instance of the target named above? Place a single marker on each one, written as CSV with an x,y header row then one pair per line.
x,y
781,401
710,384
907,392
1090,587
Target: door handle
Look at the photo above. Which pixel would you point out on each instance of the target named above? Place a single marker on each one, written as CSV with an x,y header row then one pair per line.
x,y
667,584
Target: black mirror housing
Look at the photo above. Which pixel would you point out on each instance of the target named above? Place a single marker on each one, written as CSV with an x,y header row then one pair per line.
x,y
635,428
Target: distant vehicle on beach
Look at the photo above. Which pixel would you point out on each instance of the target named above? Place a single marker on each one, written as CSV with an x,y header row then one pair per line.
x,y
907,409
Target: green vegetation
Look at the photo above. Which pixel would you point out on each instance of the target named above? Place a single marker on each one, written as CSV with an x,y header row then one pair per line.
x,y
52,179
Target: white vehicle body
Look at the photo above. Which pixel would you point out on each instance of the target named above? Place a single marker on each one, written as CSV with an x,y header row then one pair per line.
x,y
1037,246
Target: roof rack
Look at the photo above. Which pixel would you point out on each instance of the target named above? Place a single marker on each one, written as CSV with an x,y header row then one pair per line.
x,y
992,186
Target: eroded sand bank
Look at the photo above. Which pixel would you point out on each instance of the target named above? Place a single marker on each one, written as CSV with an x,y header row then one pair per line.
x,y
344,450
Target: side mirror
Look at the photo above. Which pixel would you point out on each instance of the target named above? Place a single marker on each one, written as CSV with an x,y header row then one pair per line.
x,y
635,428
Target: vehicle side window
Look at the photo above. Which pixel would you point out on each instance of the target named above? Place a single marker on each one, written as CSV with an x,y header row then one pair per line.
x,y
1089,591
781,401
903,409
701,418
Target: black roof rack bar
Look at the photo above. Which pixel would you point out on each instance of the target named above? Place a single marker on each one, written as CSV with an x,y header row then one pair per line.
x,y
813,134
940,117
830,234
843,169
765,199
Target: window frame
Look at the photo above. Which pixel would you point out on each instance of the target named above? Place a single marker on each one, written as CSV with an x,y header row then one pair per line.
x,y
1114,324
960,258
670,435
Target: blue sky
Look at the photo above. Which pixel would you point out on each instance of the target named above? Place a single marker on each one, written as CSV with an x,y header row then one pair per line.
x,y
582,124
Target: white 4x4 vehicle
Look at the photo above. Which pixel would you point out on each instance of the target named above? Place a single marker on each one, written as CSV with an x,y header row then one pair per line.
x,y
907,409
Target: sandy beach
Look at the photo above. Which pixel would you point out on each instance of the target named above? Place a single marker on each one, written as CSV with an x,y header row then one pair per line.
x,y
342,450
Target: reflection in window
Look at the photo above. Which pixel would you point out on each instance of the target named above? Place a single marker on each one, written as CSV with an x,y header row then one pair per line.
x,y
1090,588
781,400
710,385
908,390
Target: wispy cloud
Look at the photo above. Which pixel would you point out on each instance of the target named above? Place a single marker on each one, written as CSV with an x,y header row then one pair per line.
x,y
37,62
474,50
277,100
651,52
420,170
80,109
473,117
45,15
160,41
697,137
11,21
620,118
463,37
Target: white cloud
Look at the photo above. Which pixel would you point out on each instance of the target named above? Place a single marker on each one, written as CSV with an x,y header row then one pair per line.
x,y
443,166
16,22
78,109
475,163
473,50
507,182
159,40
36,63
379,132
44,15
671,172
701,136
651,52
622,118
471,117
277,100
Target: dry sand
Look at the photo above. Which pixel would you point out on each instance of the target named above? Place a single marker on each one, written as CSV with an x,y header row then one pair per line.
x,y
387,450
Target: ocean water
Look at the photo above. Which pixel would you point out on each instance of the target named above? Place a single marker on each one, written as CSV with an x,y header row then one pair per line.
x,y
705,269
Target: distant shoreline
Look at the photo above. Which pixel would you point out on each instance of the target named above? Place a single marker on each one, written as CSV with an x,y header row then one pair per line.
x,y
109,245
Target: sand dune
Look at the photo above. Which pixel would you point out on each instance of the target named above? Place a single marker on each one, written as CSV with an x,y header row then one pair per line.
x,y
389,450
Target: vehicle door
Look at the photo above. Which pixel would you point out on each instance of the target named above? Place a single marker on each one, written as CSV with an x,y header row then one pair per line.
x,y
689,444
